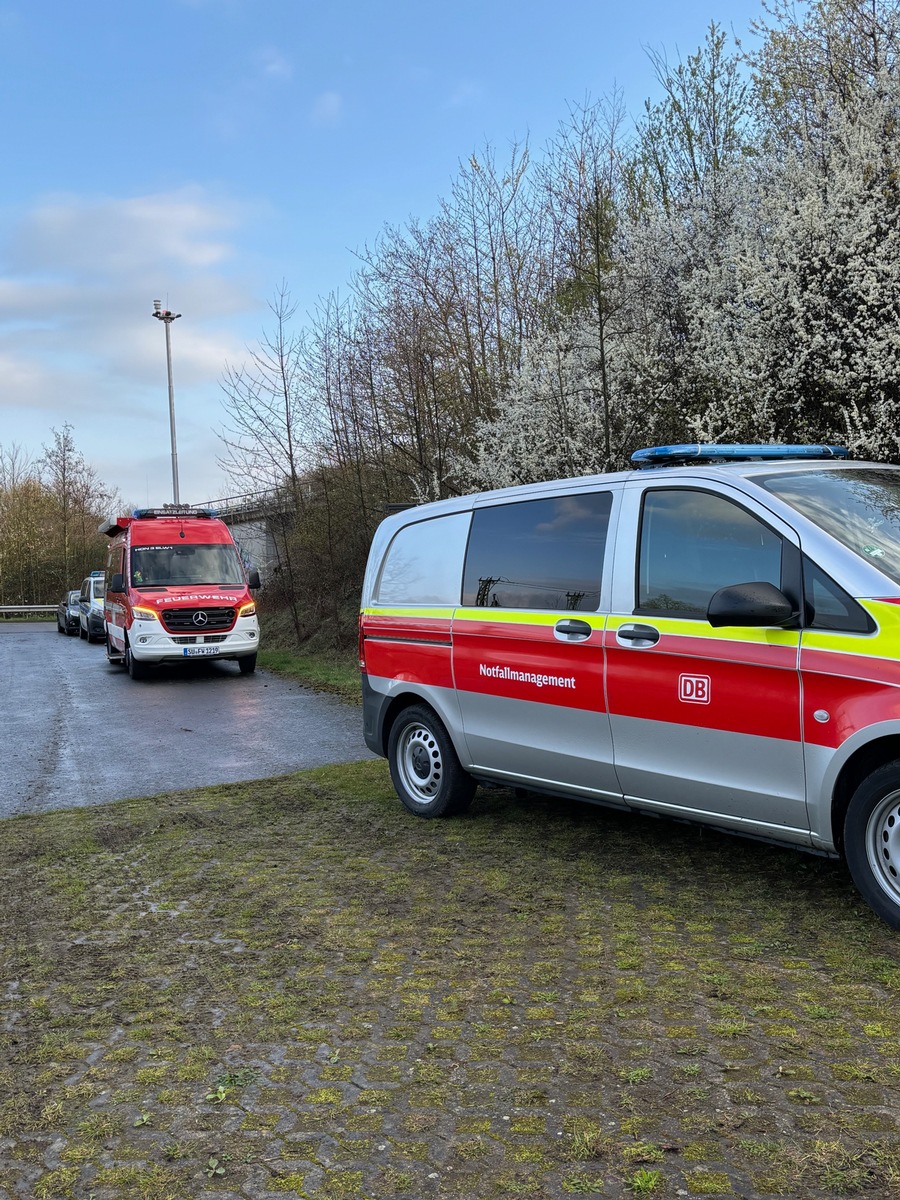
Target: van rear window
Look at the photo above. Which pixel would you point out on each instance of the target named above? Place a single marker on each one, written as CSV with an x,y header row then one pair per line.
x,y
423,564
538,553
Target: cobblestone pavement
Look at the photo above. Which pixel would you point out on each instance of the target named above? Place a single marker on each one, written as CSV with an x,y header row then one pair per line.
x,y
296,988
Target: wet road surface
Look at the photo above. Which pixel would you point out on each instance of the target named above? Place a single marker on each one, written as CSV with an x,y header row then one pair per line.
x,y
75,730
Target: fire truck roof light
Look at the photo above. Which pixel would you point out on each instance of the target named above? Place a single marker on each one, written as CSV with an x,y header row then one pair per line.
x,y
670,456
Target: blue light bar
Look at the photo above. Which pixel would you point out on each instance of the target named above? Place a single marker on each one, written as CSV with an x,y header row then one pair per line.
x,y
670,456
173,511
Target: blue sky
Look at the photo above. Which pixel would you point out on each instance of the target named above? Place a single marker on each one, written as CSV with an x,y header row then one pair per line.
x,y
202,151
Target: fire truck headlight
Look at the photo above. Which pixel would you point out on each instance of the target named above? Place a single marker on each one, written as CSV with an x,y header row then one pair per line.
x,y
144,614
247,610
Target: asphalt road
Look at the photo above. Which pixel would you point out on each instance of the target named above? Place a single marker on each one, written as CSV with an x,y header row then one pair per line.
x,y
75,730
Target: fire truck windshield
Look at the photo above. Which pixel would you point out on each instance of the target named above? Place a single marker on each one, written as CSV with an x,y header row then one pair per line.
x,y
185,565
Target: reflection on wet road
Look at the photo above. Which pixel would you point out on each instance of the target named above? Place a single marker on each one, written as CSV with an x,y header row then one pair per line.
x,y
75,730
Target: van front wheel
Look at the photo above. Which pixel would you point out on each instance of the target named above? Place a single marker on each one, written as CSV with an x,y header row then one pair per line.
x,y
137,670
872,841
426,772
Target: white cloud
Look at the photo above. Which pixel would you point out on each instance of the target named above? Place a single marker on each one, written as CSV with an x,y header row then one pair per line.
x,y
110,236
327,108
78,342
273,64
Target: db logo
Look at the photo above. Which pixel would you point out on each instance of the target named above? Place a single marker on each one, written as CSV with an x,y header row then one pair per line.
x,y
694,689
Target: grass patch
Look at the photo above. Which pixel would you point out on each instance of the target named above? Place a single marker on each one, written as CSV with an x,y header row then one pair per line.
x,y
325,672
298,976
316,664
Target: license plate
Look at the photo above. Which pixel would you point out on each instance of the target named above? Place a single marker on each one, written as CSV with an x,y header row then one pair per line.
x,y
199,651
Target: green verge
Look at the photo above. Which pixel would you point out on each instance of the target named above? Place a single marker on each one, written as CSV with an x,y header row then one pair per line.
x,y
326,671
316,664
295,987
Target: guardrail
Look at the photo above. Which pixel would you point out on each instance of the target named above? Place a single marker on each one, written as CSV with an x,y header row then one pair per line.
x,y
6,609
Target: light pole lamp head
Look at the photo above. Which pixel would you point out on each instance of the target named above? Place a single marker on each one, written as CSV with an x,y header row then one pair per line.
x,y
163,314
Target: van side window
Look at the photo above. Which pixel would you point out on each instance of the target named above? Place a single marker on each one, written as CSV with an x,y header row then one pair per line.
x,y
423,564
692,543
538,553
828,606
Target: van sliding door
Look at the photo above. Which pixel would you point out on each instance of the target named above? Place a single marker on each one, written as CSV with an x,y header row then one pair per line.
x,y
528,660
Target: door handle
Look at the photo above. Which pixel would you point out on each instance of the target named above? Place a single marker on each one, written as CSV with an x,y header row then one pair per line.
x,y
570,630
645,634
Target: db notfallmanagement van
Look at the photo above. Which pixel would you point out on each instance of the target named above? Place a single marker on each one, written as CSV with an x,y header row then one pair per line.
x,y
712,636
176,591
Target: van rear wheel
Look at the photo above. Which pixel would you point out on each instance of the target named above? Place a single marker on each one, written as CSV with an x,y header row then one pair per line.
x,y
872,841
426,773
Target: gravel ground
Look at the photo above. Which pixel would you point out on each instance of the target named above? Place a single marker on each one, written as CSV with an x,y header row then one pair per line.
x,y
295,988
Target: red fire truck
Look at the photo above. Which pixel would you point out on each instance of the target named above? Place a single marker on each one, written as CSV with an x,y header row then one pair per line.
x,y
177,590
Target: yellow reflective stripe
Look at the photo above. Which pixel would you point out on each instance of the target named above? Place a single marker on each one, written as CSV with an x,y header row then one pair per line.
x,y
442,613
495,616
679,627
521,616
883,643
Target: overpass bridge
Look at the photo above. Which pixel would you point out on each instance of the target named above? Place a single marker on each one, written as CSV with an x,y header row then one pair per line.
x,y
255,520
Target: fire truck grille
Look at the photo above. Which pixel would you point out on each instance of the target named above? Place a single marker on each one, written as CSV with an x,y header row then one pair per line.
x,y
182,620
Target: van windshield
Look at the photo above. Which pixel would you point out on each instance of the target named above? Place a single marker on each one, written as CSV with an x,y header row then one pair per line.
x,y
860,508
181,565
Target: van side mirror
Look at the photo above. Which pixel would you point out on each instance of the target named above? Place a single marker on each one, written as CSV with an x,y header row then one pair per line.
x,y
117,583
750,604
253,579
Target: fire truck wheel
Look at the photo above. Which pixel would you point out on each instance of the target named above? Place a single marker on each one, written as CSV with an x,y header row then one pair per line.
x,y
872,841
426,772
137,670
247,664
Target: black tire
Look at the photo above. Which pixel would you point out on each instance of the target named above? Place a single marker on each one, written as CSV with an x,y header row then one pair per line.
x,y
89,637
427,774
137,670
82,633
71,632
59,628
247,664
872,841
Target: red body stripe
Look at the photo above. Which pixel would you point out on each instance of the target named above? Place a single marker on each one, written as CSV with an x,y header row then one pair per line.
x,y
754,687
566,674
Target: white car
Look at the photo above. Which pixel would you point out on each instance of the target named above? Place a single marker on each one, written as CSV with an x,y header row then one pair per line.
x,y
90,607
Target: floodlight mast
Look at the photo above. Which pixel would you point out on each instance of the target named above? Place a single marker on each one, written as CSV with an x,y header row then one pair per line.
x,y
163,314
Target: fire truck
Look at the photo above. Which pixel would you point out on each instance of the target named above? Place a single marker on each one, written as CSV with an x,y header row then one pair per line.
x,y
177,591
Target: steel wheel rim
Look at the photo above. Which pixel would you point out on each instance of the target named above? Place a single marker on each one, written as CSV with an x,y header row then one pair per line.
x,y
420,763
883,844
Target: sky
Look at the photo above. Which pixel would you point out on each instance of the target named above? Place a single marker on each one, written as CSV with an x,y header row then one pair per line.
x,y
200,152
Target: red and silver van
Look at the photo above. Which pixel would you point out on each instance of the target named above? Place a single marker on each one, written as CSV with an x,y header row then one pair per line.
x,y
714,636
177,590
